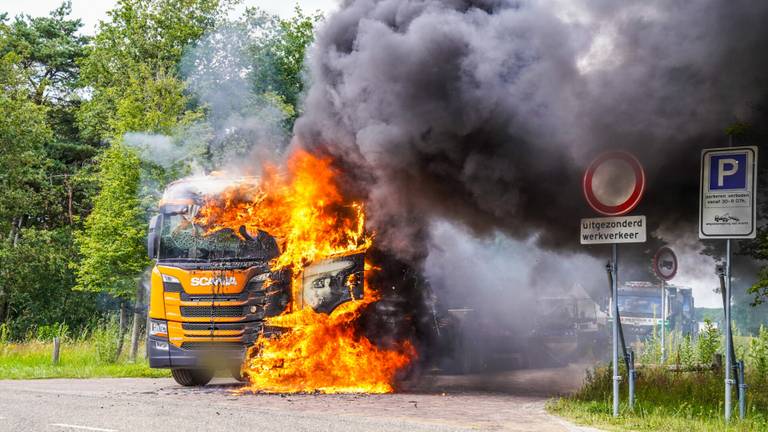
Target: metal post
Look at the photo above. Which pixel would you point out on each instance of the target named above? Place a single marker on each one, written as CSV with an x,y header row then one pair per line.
x,y
663,322
727,307
615,300
742,390
631,375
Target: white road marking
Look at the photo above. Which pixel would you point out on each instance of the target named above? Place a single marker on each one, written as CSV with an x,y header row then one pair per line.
x,y
89,428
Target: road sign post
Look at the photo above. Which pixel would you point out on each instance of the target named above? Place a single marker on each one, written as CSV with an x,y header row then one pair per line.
x,y
665,267
727,210
613,186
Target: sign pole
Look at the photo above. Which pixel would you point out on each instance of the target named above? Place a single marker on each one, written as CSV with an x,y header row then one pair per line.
x,y
614,229
727,306
665,266
615,301
663,322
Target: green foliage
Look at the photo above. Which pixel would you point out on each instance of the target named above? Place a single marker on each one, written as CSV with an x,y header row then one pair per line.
x,y
665,400
5,333
112,244
79,359
685,354
23,134
278,55
47,333
708,343
105,338
73,195
651,351
141,46
49,49
37,272
758,353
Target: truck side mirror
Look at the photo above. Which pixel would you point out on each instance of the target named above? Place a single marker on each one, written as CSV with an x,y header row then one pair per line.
x,y
153,237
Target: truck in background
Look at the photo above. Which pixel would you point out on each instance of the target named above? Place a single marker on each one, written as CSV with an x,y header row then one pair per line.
x,y
641,313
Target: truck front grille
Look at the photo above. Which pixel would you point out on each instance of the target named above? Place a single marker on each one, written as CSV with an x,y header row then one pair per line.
x,y
215,311
211,346
207,326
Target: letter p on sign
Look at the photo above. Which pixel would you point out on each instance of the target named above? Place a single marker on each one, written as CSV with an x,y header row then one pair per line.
x,y
728,172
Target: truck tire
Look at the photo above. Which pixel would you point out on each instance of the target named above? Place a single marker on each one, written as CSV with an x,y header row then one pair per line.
x,y
192,377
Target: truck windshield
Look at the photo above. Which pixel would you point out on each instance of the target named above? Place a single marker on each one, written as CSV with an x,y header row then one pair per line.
x,y
640,305
181,239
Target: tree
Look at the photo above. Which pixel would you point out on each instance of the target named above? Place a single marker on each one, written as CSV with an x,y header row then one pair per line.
x,y
143,42
278,54
23,132
112,243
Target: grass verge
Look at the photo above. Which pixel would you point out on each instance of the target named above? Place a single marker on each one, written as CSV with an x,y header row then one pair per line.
x,y
669,401
78,359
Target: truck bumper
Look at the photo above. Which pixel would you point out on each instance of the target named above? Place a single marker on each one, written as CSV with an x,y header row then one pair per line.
x,y
175,357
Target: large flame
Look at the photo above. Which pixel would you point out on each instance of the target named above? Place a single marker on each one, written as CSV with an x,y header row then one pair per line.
x,y
304,210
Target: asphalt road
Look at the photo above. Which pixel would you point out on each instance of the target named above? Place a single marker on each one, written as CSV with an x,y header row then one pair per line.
x,y
505,402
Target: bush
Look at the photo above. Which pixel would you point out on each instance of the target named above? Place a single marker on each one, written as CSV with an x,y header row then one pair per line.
x,y
105,340
46,333
708,343
758,353
5,333
686,354
651,351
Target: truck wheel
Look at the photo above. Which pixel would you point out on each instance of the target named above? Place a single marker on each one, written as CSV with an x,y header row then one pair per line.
x,y
192,377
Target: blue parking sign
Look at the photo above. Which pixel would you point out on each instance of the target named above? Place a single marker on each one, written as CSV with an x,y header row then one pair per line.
x,y
727,201
728,171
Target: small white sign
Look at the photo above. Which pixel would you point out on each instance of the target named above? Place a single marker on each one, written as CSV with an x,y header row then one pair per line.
x,y
621,229
727,199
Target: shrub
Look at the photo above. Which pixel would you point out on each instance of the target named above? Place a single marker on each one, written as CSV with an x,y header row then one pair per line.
x,y
46,333
708,343
686,354
5,333
105,341
758,353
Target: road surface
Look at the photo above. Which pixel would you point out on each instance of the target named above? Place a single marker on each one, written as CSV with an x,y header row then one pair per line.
x,y
512,401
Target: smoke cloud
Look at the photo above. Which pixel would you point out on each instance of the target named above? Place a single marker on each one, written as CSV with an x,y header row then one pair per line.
x,y
486,112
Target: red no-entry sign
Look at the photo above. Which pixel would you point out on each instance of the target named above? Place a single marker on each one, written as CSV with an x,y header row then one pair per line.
x,y
665,263
614,183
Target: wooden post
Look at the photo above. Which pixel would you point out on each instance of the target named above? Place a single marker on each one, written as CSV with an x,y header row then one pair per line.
x,y
136,327
121,330
56,346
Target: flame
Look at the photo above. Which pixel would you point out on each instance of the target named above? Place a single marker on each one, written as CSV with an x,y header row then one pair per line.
x,y
304,210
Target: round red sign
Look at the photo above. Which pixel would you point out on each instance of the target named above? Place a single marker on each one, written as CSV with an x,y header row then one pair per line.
x,y
665,263
614,183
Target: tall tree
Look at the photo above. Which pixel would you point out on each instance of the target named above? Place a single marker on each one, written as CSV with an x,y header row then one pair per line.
x,y
112,243
23,133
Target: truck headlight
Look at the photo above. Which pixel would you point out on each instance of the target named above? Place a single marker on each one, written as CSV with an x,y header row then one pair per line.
x,y
171,283
258,280
158,328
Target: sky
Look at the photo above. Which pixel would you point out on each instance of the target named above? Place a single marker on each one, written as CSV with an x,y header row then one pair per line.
x,y
91,12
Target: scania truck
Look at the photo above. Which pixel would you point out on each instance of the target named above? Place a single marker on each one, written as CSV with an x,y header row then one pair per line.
x,y
210,293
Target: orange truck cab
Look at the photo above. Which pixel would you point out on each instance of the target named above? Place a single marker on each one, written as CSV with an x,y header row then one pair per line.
x,y
210,293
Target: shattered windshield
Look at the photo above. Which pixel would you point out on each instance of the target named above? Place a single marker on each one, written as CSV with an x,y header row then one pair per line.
x,y
181,239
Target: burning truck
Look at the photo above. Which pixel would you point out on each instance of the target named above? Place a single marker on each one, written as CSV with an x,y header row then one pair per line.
x,y
266,277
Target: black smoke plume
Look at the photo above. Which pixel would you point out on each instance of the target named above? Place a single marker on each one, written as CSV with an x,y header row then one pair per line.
x,y
486,112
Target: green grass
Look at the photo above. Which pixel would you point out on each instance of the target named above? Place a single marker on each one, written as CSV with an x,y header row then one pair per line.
x,y
78,359
669,401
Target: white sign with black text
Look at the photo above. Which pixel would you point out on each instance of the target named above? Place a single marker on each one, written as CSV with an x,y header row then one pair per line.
x,y
727,199
621,229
